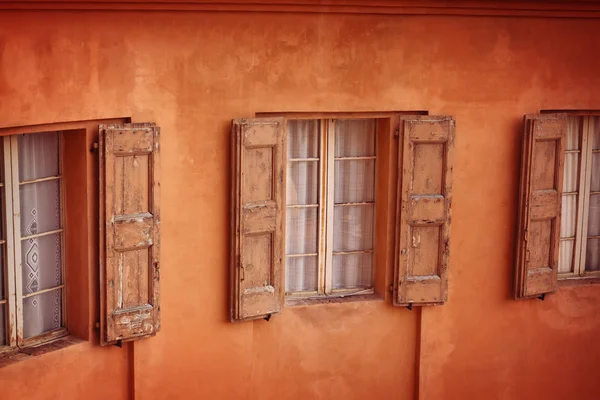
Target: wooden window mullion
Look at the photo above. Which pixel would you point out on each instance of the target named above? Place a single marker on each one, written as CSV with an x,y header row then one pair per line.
x,y
330,190
585,183
323,233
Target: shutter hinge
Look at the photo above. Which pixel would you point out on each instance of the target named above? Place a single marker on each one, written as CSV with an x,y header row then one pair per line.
x,y
409,306
242,272
97,326
391,288
397,133
157,270
95,147
542,296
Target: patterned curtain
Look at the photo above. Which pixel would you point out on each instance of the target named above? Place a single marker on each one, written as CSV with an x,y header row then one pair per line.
x,y
40,213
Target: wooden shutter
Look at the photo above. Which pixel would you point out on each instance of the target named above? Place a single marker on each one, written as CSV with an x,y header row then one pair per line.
x,y
542,162
258,206
129,231
423,210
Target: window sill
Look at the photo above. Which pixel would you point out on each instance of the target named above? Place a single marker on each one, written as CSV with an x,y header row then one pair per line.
x,y
293,301
578,281
21,354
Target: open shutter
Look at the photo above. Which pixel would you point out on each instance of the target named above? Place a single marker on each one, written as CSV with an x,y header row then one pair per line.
x,y
542,162
129,231
423,211
258,206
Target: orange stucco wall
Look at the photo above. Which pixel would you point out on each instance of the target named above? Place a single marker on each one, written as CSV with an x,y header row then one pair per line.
x,y
194,72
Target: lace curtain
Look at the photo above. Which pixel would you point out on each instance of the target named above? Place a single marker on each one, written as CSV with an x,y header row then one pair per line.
x,y
40,213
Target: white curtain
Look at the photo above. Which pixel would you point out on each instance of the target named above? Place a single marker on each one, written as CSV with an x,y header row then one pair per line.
x,y
592,256
2,293
40,212
570,196
302,200
354,208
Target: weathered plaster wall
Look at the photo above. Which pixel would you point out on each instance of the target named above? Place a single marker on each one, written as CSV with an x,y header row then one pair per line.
x,y
192,73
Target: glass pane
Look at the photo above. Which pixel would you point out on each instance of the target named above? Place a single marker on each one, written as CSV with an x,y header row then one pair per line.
x,y
301,227
301,274
2,274
565,256
40,207
303,182
38,155
568,218
352,271
573,133
595,176
2,325
594,215
595,121
570,182
303,138
42,313
592,255
353,227
354,181
355,137
42,261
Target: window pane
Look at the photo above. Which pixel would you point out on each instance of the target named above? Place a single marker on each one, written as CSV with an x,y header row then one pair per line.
x,y
353,227
42,263
354,181
595,123
2,274
352,271
592,255
303,138
594,215
573,133
301,227
595,176
355,138
40,207
565,259
302,182
2,325
568,218
301,274
570,181
42,313
38,155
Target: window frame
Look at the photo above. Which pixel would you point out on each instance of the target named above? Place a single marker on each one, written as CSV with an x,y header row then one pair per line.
x,y
387,177
578,273
13,270
326,206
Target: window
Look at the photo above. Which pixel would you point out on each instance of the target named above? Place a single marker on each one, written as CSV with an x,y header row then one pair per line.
x,y
330,206
32,289
579,253
363,197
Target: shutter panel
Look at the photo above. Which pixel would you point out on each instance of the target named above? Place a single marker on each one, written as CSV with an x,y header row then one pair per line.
x,y
542,163
258,206
129,231
423,210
